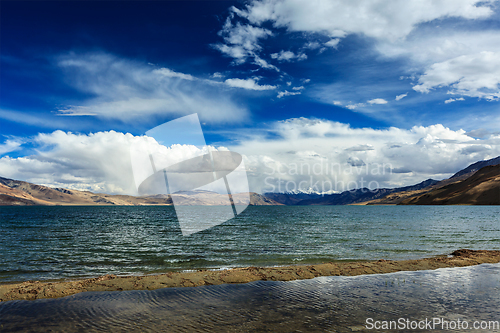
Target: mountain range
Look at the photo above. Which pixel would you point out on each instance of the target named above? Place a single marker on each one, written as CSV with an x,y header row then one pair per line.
x,y
20,193
344,198
478,184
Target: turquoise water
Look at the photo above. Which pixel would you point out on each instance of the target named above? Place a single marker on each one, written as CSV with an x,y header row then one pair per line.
x,y
324,304
39,243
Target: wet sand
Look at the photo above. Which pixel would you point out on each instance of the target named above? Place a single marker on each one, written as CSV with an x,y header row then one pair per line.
x,y
31,290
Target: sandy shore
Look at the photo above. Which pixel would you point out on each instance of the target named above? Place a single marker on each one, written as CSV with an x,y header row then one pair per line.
x,y
32,290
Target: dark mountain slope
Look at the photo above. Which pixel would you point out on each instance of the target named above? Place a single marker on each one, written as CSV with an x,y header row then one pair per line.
x,y
482,188
344,198
476,166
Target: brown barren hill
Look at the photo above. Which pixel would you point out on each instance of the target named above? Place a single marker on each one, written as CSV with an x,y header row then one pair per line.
x,y
395,198
20,193
14,197
482,188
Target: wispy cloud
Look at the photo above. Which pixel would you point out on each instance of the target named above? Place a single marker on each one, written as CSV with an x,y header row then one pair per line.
x,y
454,100
126,89
284,93
400,97
288,56
10,145
34,119
170,73
354,106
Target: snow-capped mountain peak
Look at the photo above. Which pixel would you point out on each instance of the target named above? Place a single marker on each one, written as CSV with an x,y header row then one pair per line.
x,y
310,191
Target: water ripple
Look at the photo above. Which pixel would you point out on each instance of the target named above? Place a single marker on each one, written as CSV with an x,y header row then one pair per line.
x,y
339,304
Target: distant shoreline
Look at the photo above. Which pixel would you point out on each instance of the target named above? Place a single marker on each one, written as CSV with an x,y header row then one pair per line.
x,y
31,290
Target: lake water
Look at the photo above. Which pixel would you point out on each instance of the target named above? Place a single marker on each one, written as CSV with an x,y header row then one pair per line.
x,y
324,304
40,243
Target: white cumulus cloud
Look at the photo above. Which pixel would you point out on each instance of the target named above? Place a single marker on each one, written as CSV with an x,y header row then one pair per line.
x,y
333,43
419,30
98,162
250,84
476,75
377,101
355,157
299,153
382,19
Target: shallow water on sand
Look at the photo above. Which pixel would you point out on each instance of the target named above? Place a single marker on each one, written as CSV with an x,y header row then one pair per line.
x,y
39,243
324,304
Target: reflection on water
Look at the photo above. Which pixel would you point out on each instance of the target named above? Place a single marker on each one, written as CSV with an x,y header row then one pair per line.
x,y
333,304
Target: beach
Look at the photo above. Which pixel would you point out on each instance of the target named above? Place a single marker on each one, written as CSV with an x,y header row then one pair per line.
x,y
32,290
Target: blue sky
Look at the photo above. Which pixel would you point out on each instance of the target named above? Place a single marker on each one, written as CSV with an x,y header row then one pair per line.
x,y
281,82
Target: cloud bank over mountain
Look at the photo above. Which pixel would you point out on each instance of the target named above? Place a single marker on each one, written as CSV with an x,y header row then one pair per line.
x,y
326,154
